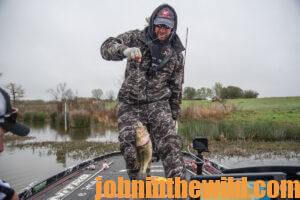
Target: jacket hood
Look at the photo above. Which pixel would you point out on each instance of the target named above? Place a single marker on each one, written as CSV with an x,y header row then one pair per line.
x,y
154,14
174,39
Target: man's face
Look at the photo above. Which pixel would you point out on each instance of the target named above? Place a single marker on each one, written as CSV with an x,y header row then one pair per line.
x,y
1,140
162,32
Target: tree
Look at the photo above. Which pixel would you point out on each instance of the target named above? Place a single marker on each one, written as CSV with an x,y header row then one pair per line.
x,y
231,92
203,93
110,95
97,93
16,91
217,89
61,93
250,94
189,93
209,92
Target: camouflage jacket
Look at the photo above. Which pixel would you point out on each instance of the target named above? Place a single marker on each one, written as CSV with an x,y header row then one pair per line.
x,y
138,87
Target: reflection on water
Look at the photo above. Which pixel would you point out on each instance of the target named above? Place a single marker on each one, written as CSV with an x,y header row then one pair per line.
x,y
28,165
21,167
263,159
42,133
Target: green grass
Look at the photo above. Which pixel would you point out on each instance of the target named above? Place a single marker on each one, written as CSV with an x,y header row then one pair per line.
x,y
272,103
109,104
258,131
267,119
34,117
282,110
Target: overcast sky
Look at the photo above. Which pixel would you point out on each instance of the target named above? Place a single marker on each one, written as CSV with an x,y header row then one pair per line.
x,y
252,44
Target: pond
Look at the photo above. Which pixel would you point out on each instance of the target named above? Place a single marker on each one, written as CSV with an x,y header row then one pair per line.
x,y
47,133
22,166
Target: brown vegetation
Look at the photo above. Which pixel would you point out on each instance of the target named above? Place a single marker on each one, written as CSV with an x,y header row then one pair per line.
x,y
215,111
107,117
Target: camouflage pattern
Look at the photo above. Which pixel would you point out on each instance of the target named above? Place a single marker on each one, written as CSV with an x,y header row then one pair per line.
x,y
151,98
137,86
158,119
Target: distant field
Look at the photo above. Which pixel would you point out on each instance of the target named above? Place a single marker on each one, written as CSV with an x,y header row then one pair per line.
x,y
262,119
254,104
275,109
282,103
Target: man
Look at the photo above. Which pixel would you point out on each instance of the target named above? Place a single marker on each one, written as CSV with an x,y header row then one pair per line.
x,y
151,91
8,116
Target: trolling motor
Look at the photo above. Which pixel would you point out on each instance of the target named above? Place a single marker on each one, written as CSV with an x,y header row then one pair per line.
x,y
200,145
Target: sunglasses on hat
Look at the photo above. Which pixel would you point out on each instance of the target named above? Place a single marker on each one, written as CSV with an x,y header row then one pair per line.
x,y
162,26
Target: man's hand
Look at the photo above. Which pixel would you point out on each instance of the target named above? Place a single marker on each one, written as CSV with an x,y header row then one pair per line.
x,y
133,53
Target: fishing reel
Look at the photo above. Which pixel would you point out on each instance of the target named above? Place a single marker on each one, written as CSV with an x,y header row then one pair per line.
x,y
200,145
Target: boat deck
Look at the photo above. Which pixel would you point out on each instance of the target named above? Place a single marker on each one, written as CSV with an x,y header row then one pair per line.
x,y
81,184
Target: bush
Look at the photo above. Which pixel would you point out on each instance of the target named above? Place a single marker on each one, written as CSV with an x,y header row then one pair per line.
x,y
35,117
107,117
189,93
231,92
250,94
53,117
27,117
79,119
39,117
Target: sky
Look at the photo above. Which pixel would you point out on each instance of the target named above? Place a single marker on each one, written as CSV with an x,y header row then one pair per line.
x,y
252,44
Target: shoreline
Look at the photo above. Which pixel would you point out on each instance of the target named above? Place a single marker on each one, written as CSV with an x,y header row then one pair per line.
x,y
228,148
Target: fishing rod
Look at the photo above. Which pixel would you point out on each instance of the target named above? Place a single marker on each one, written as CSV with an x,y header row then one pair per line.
x,y
186,42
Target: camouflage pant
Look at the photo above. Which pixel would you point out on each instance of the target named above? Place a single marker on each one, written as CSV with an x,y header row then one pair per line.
x,y
157,118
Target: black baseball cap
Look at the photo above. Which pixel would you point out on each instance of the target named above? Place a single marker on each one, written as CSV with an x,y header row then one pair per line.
x,y
8,116
166,17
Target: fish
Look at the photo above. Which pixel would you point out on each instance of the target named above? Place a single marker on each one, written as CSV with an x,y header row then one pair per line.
x,y
144,149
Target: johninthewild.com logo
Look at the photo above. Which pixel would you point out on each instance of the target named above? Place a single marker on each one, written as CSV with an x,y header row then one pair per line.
x,y
226,187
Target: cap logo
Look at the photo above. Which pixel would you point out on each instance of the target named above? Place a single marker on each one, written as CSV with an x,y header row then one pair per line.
x,y
165,13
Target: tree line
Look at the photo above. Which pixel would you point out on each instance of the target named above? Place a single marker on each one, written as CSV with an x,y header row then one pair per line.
x,y
218,91
60,93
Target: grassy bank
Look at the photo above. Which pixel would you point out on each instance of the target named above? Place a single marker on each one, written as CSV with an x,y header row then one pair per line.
x,y
86,150
81,113
268,119
73,149
276,109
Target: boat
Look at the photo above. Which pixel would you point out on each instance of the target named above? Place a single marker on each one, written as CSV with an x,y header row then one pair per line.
x,y
79,182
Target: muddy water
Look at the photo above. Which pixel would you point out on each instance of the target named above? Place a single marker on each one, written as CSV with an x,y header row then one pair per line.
x,y
47,133
263,159
22,166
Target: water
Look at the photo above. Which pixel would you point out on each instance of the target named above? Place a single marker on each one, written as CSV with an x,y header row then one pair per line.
x,y
21,167
45,133
262,159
